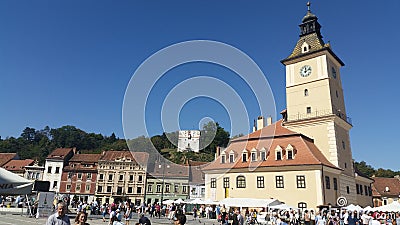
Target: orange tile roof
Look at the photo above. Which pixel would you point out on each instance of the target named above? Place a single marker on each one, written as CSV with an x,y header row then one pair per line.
x,y
85,158
18,164
380,184
269,138
60,153
6,157
140,157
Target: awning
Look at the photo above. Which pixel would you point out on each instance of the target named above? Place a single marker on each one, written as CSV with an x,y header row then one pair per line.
x,y
12,184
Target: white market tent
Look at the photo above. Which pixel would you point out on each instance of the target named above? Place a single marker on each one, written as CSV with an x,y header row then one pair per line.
x,y
283,207
210,202
249,202
194,201
352,207
392,207
179,201
368,209
168,202
12,184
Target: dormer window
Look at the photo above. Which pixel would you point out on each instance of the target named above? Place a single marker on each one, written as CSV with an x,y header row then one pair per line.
x,y
263,154
253,155
290,152
231,157
278,153
223,157
305,47
244,155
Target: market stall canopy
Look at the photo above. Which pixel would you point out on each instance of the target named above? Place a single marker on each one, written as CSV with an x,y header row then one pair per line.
x,y
12,184
352,207
283,207
168,202
392,207
194,201
179,201
249,202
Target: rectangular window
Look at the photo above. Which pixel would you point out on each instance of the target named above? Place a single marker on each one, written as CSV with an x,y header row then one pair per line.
x,y
366,190
361,189
87,188
203,191
279,182
121,177
109,189
184,189
231,159
119,190
110,177
138,190
222,159
279,155
348,189
78,187
167,188
253,156
101,176
99,189
308,110
357,189
140,178
80,176
369,191
301,181
57,169
327,182
68,187
130,189
89,176
149,188
158,188
226,182
343,145
335,187
55,184
244,157
176,188
260,181
130,177
213,183
49,169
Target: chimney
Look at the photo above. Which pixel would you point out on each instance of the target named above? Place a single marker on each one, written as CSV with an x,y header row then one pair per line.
x,y
269,120
260,122
217,152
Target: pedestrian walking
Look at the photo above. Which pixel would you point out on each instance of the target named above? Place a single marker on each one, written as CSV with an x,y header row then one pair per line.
x,y
81,219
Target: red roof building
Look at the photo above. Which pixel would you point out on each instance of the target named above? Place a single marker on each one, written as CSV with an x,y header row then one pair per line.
x,y
385,190
17,166
80,175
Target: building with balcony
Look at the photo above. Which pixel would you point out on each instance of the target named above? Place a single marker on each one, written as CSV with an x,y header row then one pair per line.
x,y
308,150
79,177
121,176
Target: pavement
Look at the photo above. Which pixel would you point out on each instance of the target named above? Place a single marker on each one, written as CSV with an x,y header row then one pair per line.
x,y
18,219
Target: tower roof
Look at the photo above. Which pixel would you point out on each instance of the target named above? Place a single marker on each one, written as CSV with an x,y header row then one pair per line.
x,y
310,36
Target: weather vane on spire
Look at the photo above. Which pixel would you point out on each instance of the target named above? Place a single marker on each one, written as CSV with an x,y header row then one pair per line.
x,y
308,6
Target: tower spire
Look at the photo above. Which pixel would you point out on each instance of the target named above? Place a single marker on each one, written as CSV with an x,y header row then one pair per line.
x,y
308,6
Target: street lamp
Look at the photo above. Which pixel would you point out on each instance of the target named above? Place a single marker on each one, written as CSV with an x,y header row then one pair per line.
x,y
163,180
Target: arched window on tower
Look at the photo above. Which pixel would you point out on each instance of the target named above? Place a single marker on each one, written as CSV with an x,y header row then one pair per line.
x,y
305,92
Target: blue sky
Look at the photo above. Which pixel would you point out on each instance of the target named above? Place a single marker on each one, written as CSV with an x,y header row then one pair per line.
x,y
69,63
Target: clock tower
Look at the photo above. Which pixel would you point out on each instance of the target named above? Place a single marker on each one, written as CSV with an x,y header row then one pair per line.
x,y
315,101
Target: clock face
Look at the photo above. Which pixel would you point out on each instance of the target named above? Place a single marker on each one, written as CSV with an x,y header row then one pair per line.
x,y
305,71
333,72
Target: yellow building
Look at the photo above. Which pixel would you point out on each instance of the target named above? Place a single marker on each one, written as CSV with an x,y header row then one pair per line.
x,y
305,159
